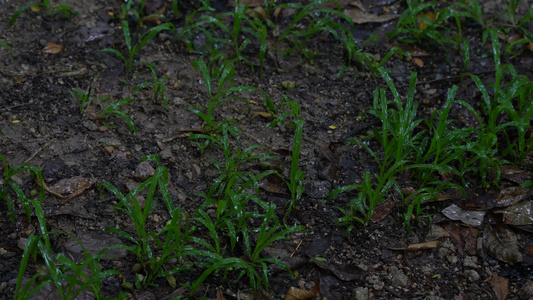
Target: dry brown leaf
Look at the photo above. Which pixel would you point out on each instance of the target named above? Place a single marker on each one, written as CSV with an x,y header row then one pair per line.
x,y
529,249
502,244
455,234
359,16
470,236
220,294
419,246
52,48
73,187
257,12
500,286
418,62
301,294
274,184
512,195
518,214
263,114
470,217
250,3
530,46
527,289
515,174
422,246
358,4
382,210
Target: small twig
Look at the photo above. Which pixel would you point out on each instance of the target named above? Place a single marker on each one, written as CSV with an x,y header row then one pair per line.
x,y
37,152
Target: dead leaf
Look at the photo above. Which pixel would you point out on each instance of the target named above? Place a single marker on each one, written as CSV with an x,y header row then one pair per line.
x,y
527,289
250,3
455,234
73,187
345,272
301,294
263,114
274,184
470,236
515,174
431,16
420,246
529,249
418,62
518,214
51,48
500,286
470,217
220,293
258,12
502,244
359,16
382,210
512,195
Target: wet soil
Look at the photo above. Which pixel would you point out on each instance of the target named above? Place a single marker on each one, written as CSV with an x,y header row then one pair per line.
x,y
42,125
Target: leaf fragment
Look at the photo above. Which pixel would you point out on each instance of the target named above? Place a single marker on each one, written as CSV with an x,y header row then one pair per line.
x,y
470,217
420,246
502,244
300,294
518,214
52,48
500,286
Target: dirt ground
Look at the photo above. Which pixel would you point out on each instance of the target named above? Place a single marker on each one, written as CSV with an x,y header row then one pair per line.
x,y
41,125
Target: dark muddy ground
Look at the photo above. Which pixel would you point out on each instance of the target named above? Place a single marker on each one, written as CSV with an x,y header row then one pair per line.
x,y
41,125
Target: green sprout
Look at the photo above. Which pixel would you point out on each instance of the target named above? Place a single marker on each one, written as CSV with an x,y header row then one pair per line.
x,y
132,49
115,108
83,98
64,10
158,86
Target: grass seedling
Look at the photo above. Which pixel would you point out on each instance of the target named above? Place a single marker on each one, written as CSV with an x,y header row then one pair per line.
x,y
153,249
320,20
83,98
10,190
512,7
219,94
234,192
115,108
470,9
69,277
6,46
295,184
414,25
368,60
132,49
404,147
158,86
266,235
63,10
241,23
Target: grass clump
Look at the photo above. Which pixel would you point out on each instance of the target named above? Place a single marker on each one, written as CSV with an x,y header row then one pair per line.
x,y
10,190
295,183
62,10
157,84
83,98
132,49
218,82
249,223
320,20
153,249
69,277
406,146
